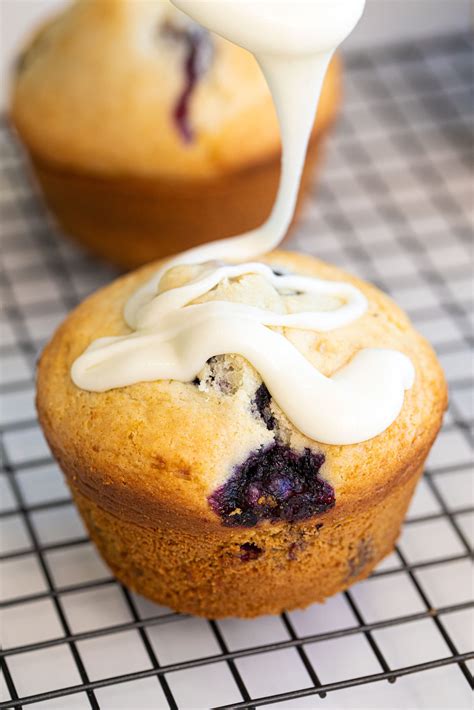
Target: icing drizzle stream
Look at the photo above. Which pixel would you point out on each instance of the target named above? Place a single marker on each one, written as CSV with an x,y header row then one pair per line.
x,y
173,335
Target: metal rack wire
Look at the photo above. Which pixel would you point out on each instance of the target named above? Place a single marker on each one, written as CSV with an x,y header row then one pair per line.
x,y
394,204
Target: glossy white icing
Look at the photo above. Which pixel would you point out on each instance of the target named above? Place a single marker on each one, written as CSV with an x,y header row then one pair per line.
x,y
172,336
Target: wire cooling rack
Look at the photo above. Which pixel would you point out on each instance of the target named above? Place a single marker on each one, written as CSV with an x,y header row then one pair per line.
x,y
394,204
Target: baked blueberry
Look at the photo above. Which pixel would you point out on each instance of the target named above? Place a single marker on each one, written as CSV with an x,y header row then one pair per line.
x,y
199,50
274,483
250,551
261,405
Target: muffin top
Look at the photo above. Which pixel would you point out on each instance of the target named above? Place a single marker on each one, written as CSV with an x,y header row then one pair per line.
x,y
219,450
134,87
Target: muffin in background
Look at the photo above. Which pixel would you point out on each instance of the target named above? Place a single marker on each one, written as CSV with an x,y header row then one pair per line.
x,y
147,134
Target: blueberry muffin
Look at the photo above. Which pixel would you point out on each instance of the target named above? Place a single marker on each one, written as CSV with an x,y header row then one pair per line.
x,y
202,495
148,134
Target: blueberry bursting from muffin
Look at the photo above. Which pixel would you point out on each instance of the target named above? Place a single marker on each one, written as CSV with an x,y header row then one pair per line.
x,y
274,483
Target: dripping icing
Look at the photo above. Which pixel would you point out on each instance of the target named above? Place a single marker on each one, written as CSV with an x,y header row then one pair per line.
x,y
173,336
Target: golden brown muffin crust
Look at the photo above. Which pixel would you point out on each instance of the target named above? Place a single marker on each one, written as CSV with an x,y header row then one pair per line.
x,y
156,450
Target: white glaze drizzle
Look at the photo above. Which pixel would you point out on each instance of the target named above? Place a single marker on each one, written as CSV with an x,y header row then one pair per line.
x,y
173,336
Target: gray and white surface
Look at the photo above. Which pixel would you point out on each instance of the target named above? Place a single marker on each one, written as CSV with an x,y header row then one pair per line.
x,y
394,204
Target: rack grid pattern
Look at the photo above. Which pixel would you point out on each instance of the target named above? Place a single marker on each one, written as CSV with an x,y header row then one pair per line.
x,y
394,204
